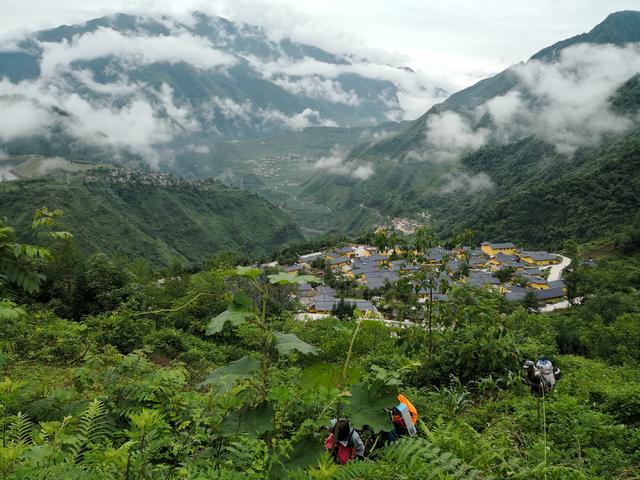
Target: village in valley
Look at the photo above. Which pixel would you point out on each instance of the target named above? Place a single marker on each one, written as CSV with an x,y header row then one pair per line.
x,y
530,277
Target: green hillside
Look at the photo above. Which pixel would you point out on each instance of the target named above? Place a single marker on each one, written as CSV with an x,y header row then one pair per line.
x,y
533,194
154,222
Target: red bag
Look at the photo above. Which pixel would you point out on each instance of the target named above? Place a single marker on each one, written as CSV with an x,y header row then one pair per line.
x,y
342,453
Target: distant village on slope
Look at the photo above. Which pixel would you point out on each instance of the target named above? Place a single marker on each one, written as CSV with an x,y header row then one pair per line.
x,y
535,275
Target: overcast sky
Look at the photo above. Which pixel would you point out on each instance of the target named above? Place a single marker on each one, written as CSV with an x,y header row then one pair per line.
x,y
455,42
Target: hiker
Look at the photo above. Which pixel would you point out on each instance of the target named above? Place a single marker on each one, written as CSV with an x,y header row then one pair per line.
x,y
344,442
541,377
404,417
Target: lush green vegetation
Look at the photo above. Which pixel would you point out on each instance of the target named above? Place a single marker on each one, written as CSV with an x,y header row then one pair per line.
x,y
538,198
111,373
152,222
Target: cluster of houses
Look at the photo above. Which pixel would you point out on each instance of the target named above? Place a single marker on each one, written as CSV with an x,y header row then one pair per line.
x,y
528,273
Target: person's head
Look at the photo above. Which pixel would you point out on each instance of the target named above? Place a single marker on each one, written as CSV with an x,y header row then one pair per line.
x,y
343,429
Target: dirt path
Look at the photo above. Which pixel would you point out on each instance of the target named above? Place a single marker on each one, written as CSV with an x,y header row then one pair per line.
x,y
555,272
362,205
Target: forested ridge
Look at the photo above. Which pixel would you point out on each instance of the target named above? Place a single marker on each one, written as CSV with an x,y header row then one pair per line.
x,y
113,369
184,221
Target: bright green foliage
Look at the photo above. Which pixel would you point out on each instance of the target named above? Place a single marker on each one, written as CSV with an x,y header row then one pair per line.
x,y
283,278
153,222
237,313
367,402
229,374
252,420
18,261
140,391
288,342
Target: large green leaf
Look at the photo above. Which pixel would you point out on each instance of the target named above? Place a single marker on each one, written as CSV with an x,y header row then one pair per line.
x,y
9,310
251,420
249,272
227,375
303,453
284,278
327,376
367,402
288,342
237,312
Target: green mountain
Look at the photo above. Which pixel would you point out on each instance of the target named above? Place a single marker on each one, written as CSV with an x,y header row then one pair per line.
x,y
184,84
522,184
145,219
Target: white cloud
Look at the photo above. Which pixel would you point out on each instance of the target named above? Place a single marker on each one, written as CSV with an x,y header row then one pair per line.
x,y
449,135
316,87
336,163
52,163
198,149
21,117
182,116
121,87
247,113
416,93
299,121
571,97
139,50
9,45
133,126
125,123
229,109
564,102
461,181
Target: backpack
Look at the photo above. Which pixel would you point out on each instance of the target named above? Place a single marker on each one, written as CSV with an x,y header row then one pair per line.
x,y
406,416
546,370
342,453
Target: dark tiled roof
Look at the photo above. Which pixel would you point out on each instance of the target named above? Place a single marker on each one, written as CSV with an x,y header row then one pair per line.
x,y
474,262
532,271
336,261
539,256
327,291
481,278
328,305
502,257
529,279
296,267
497,246
304,287
557,284
364,271
549,293
515,296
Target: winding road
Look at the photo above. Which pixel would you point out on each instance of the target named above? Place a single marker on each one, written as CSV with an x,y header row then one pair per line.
x,y
362,205
555,273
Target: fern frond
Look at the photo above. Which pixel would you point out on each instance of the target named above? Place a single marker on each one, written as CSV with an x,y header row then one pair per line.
x,y
20,429
91,428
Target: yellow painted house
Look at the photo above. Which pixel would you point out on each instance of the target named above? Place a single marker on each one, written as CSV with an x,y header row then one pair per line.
x,y
339,262
536,283
492,249
539,258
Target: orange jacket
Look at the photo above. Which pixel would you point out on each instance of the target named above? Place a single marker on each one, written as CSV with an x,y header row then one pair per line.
x,y
412,410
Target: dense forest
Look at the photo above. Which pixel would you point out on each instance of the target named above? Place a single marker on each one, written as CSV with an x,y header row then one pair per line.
x,y
158,222
115,370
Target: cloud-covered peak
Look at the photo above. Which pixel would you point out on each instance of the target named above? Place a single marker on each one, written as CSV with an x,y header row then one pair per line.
x,y
142,82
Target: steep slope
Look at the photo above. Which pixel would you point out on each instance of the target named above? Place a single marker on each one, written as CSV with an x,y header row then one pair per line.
x,y
148,86
158,223
563,163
